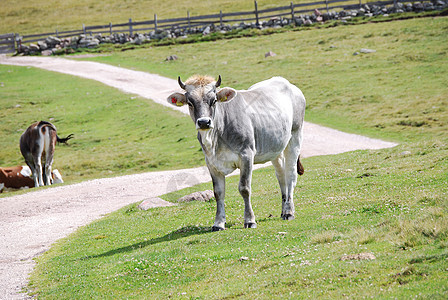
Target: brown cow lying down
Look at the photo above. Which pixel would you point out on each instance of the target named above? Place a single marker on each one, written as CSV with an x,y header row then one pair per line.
x,y
20,177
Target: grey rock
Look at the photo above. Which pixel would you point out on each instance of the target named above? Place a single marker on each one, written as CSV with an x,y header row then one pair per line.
x,y
42,45
203,196
270,53
47,53
365,51
172,57
154,202
52,41
206,31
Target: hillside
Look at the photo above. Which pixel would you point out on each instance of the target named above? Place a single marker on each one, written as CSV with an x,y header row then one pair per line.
x,y
28,17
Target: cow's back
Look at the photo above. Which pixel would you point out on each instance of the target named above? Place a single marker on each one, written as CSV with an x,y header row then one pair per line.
x,y
263,118
280,91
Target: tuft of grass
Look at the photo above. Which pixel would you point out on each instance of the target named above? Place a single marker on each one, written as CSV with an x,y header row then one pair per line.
x,y
430,228
326,237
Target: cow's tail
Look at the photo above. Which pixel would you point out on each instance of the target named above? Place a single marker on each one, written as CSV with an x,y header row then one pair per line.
x,y
64,140
43,124
300,168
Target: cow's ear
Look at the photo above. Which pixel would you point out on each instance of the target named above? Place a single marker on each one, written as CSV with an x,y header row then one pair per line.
x,y
225,94
177,99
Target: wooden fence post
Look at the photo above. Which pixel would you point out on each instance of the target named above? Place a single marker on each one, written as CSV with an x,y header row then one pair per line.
x,y
256,13
292,11
130,27
84,28
110,28
220,18
155,22
326,4
189,22
360,3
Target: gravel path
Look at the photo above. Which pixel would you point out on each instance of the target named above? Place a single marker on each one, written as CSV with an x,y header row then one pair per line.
x,y
31,222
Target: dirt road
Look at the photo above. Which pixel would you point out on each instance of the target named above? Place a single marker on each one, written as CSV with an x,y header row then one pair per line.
x,y
31,222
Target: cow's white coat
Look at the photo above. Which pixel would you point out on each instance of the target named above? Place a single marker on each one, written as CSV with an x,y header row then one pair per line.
x,y
239,128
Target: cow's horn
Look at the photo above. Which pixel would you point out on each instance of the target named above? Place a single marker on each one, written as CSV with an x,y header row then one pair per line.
x,y
218,83
182,85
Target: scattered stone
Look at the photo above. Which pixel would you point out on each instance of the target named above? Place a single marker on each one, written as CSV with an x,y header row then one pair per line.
x,y
42,45
405,153
47,52
172,57
206,30
308,22
270,53
365,50
154,202
359,256
243,258
203,196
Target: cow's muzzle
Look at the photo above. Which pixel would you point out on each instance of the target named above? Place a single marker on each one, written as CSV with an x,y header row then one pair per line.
x,y
204,123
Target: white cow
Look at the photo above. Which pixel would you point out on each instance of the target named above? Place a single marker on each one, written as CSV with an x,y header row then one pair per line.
x,y
239,128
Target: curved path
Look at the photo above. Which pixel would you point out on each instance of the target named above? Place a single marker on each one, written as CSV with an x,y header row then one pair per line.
x,y
31,222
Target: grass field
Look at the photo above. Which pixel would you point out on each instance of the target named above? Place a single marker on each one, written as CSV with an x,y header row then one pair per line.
x,y
391,203
115,133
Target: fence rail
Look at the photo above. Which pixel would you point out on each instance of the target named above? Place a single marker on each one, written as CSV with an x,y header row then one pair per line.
x,y
220,18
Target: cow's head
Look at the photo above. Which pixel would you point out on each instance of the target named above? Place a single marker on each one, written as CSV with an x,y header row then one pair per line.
x,y
201,95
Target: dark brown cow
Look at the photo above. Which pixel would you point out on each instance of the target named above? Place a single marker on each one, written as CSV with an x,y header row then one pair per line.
x,y
37,141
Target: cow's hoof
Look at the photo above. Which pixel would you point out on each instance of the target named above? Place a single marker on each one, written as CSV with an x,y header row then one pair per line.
x,y
288,217
250,225
216,228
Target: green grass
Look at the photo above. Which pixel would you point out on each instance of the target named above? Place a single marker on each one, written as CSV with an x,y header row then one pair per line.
x,y
115,133
392,203
399,214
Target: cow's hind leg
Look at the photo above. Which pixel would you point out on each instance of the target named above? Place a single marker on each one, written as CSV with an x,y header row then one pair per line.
x,y
34,173
49,145
37,171
291,153
245,189
279,165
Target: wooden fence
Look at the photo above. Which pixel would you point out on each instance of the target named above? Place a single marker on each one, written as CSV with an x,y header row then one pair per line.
x,y
7,43
220,18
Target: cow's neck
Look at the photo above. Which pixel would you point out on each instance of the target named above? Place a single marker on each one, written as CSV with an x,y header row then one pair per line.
x,y
207,139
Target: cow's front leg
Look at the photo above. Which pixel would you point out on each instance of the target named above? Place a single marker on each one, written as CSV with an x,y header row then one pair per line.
x,y
245,190
219,188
